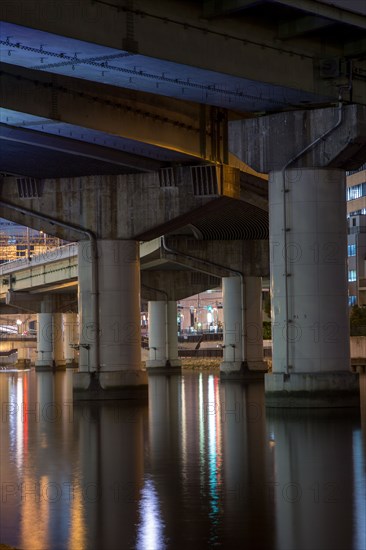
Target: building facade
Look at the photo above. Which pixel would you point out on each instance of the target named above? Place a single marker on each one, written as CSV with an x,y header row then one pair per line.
x,y
18,241
356,245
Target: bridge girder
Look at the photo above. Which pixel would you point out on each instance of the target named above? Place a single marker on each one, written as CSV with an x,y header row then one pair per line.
x,y
177,32
162,122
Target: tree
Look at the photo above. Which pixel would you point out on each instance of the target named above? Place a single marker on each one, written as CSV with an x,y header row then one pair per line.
x,y
358,321
267,303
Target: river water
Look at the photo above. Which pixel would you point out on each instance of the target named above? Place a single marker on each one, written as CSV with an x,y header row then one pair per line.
x,y
202,465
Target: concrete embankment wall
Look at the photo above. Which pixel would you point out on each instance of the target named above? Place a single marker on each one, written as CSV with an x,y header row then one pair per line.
x,y
358,347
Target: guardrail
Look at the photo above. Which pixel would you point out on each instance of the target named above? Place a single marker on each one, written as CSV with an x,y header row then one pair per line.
x,y
61,253
216,352
55,254
18,337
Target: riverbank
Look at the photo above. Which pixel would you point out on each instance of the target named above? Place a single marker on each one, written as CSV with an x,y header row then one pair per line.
x,y
204,363
208,363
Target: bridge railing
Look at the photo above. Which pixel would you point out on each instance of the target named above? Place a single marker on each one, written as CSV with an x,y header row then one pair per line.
x,y
60,253
63,252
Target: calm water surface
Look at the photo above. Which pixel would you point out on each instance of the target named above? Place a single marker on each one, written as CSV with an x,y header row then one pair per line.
x,y
203,465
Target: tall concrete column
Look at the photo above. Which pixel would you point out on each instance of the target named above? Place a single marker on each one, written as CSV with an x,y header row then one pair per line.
x,y
306,154
23,360
157,334
233,346
243,328
58,351
110,359
308,271
44,336
163,340
310,324
70,337
253,324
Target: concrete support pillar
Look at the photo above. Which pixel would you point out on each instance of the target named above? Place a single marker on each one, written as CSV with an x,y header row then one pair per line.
x,y
49,338
308,271
157,334
23,360
163,341
70,333
310,324
243,328
58,348
306,153
110,359
253,324
233,356
44,337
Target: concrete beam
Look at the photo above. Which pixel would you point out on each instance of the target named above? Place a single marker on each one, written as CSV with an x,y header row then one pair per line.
x,y
341,14
251,258
24,300
216,8
169,124
175,285
268,143
173,30
302,25
6,309
143,117
28,302
119,160
219,8
159,129
355,48
136,206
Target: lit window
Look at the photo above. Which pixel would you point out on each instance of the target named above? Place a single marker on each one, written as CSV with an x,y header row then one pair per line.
x,y
351,250
356,191
351,275
357,212
352,300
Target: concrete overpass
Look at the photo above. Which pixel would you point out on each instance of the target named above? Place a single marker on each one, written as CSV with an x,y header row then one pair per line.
x,y
167,273
141,85
102,120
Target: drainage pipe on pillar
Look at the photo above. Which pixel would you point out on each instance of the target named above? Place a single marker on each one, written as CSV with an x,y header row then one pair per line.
x,y
94,258
229,270
284,191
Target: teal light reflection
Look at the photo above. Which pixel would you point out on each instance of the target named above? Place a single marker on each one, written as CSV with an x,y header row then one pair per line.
x,y
359,503
201,431
214,455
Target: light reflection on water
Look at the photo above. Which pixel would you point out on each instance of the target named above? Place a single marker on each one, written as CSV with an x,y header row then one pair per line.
x,y
150,531
202,465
